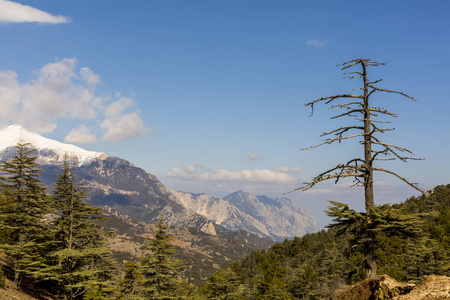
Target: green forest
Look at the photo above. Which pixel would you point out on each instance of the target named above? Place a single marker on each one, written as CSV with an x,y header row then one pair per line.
x,y
54,242
412,240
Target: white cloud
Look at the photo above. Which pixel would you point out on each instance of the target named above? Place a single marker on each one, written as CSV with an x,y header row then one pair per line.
x,y
317,43
262,175
90,77
285,169
10,93
254,157
59,92
383,184
12,12
81,135
121,125
193,168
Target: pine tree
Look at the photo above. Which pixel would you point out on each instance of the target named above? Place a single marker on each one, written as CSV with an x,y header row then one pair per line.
x,y
160,271
22,213
129,284
80,263
224,284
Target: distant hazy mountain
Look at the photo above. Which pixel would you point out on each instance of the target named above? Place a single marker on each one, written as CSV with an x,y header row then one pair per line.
x,y
131,191
282,217
276,219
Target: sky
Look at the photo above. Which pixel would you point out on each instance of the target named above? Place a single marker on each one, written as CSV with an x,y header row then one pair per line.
x,y
209,95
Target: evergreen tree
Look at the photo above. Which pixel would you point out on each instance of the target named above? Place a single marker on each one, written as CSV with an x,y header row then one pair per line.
x,y
81,264
224,284
160,271
411,241
24,234
129,284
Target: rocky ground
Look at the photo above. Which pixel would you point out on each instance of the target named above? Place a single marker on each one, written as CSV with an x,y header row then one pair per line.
x,y
386,288
430,287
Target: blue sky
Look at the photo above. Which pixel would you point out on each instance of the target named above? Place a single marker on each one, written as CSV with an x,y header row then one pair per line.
x,y
209,95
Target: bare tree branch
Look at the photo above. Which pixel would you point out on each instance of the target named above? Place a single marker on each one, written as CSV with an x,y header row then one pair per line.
x,y
334,97
376,121
354,62
376,81
329,99
349,113
329,141
351,77
414,185
342,130
309,185
382,130
347,104
393,92
362,169
383,111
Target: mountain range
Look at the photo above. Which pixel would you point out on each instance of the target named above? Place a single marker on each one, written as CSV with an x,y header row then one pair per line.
x,y
130,192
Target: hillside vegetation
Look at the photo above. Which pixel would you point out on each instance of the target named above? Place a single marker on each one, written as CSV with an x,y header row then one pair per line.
x,y
315,265
57,246
201,253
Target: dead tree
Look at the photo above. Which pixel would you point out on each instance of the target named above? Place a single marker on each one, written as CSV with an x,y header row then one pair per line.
x,y
367,129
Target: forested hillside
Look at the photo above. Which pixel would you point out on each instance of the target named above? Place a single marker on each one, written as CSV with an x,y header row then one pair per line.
x,y
56,244
413,240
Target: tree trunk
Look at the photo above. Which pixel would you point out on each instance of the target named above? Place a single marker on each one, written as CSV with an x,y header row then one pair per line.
x,y
369,251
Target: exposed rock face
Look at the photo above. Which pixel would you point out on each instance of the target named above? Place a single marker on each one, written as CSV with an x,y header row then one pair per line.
x,y
116,183
386,288
120,185
379,288
276,219
430,287
281,217
221,212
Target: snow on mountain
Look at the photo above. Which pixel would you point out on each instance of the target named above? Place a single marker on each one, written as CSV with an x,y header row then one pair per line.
x,y
118,184
49,151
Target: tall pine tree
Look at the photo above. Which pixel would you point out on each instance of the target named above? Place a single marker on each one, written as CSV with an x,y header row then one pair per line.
x,y
80,264
160,271
23,208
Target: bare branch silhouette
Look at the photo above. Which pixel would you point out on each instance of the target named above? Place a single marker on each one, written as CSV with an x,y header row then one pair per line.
x,y
362,169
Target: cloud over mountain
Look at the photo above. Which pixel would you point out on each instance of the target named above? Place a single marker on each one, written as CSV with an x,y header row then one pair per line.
x,y
261,175
119,123
61,92
81,135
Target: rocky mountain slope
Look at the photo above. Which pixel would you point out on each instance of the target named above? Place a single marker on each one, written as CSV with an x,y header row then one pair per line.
x,y
119,185
281,217
275,219
111,181
201,253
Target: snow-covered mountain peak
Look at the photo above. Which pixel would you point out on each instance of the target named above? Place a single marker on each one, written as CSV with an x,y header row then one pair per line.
x,y
50,150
